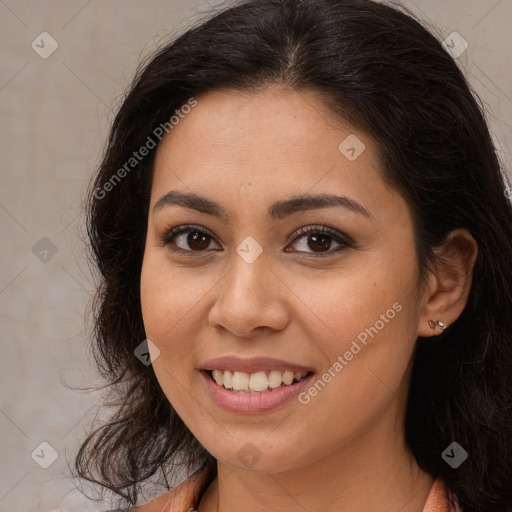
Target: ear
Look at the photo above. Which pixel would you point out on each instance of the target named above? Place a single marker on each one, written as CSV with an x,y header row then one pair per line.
x,y
449,283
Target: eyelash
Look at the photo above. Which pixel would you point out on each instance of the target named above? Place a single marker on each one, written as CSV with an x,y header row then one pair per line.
x,y
344,241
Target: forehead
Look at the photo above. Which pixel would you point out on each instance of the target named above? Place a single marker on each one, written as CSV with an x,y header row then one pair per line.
x,y
273,142
231,116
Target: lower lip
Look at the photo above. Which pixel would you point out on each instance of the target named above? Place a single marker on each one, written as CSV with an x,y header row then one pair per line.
x,y
253,402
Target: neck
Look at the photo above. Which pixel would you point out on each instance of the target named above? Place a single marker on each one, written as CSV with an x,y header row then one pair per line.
x,y
368,475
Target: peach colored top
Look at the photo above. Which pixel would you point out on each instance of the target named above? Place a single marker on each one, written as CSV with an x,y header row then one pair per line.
x,y
186,496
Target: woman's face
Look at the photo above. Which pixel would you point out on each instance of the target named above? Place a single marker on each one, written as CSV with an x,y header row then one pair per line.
x,y
257,292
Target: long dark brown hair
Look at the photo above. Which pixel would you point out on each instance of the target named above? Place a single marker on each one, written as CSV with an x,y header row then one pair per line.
x,y
383,72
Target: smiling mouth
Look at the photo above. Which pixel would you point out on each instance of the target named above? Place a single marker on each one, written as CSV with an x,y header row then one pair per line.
x,y
258,382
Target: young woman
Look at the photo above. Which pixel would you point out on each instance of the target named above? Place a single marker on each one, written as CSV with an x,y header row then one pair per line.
x,y
303,239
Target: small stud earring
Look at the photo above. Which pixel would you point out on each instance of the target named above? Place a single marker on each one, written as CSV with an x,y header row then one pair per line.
x,y
438,323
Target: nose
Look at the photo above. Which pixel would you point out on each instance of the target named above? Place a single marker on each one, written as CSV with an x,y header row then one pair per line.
x,y
251,298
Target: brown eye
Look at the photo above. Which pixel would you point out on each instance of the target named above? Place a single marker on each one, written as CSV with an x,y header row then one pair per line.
x,y
188,239
197,240
318,240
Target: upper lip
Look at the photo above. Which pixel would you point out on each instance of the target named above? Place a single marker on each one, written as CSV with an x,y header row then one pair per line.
x,y
252,365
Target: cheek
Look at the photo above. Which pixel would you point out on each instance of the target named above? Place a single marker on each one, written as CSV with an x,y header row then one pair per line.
x,y
168,301
377,294
175,314
367,326
170,296
166,310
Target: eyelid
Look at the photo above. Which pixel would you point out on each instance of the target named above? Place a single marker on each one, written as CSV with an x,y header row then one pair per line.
x,y
320,228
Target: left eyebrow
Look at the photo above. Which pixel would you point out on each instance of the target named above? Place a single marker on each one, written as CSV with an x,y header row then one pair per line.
x,y
300,203
277,211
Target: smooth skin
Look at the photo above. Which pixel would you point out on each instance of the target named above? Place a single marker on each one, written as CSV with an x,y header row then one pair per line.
x,y
302,300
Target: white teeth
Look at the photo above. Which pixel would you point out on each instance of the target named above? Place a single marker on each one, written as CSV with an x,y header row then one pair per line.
x,y
218,376
274,379
228,379
288,377
240,381
256,382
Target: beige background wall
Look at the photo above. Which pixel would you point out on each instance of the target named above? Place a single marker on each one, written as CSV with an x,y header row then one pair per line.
x,y
55,114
